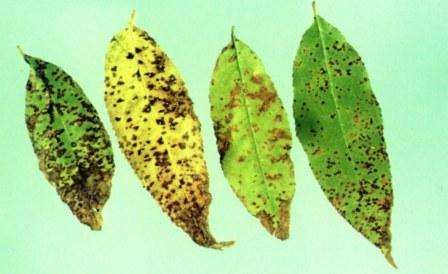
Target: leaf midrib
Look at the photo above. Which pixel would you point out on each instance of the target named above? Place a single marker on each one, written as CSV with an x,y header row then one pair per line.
x,y
57,112
333,96
252,133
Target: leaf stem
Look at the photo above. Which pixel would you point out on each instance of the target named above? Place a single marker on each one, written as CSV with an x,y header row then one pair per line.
x,y
132,20
314,8
233,34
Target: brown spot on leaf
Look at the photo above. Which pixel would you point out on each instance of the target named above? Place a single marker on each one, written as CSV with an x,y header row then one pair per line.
x,y
234,98
278,133
281,229
267,97
257,79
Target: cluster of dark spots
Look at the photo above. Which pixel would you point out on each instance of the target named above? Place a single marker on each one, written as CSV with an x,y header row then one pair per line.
x,y
159,62
161,158
171,80
146,37
160,121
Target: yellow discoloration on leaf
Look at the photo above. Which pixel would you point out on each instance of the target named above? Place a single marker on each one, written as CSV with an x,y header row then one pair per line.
x,y
158,130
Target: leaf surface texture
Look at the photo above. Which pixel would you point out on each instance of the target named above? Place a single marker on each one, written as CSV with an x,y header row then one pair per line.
x,y
71,144
338,121
253,136
158,131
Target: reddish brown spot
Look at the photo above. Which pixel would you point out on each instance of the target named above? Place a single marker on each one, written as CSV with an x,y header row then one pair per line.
x,y
281,229
265,96
278,133
234,100
273,177
257,79
241,158
232,58
281,158
318,151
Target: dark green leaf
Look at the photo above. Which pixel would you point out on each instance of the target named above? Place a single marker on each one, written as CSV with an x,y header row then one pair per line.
x,y
338,121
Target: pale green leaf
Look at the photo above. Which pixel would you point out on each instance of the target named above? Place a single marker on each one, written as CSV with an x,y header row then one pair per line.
x,y
253,136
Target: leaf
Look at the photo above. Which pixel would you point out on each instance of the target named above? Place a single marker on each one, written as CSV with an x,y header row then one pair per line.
x,y
338,121
158,130
253,136
72,146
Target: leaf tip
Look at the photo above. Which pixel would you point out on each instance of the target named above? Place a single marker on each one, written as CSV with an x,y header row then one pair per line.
x,y
21,51
94,221
222,245
389,258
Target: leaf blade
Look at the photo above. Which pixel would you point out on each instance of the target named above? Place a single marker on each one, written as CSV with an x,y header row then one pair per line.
x,y
339,123
158,131
253,136
71,144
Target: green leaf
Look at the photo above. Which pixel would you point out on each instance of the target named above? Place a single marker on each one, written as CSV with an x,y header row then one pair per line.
x,y
158,130
253,136
338,121
69,140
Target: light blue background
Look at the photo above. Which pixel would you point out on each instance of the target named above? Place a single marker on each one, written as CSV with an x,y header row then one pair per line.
x,y
404,44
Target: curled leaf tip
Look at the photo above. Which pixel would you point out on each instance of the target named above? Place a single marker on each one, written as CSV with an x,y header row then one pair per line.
x,y
222,245
389,258
95,222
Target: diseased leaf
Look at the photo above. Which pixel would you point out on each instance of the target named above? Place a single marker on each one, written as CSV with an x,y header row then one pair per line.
x,y
72,146
253,136
338,121
158,130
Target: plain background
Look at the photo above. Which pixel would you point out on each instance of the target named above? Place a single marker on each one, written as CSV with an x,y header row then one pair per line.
x,y
404,45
